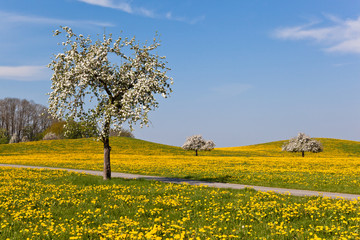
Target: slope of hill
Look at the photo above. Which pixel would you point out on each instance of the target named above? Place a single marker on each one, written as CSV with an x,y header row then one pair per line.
x,y
120,145
336,169
332,147
131,146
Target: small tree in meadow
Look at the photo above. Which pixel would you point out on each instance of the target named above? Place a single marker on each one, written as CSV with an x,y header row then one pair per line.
x,y
119,92
302,143
197,143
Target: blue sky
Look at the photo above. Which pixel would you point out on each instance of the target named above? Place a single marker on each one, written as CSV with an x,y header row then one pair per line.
x,y
245,72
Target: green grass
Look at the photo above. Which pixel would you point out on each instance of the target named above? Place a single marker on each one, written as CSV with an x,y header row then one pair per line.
x,y
132,146
42,204
336,169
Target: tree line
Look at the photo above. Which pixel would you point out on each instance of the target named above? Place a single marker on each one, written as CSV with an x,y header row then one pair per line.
x,y
22,120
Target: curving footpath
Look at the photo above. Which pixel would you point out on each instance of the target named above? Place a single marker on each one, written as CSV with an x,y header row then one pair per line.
x,y
294,192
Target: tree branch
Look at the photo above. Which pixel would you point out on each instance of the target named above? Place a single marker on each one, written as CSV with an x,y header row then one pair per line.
x,y
107,90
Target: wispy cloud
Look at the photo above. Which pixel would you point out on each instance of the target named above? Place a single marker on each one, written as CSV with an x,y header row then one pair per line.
x,y
7,17
342,64
125,6
24,73
170,16
231,89
340,36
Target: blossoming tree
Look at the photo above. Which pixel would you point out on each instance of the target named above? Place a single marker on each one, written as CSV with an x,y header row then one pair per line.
x,y
118,93
302,143
197,143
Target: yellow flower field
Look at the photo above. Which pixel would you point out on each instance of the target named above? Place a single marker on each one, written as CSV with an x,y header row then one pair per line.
x,y
336,169
43,204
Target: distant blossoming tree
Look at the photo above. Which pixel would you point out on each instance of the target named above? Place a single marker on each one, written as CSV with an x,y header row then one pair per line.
x,y
14,138
197,143
51,136
119,92
302,143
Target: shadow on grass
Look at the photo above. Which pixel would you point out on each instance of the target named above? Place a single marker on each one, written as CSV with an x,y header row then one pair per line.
x,y
223,179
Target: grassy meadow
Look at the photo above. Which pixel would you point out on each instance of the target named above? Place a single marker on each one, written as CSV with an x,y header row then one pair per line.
x,y
44,204
337,169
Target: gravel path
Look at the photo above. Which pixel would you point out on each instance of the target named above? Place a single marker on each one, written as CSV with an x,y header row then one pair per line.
x,y
294,192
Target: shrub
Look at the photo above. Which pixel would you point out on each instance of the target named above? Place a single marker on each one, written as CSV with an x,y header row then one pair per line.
x,y
4,136
14,138
122,133
51,136
83,129
25,139
72,130
57,128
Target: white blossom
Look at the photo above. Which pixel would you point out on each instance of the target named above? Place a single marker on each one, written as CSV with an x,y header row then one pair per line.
x,y
122,93
197,143
302,143
51,136
209,145
118,93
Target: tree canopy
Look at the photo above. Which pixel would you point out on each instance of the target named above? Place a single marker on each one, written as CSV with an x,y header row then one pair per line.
x,y
197,143
21,119
302,143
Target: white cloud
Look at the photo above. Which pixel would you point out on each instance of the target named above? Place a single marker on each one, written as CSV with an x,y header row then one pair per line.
x,y
125,6
24,73
341,36
7,17
342,64
146,12
170,16
231,89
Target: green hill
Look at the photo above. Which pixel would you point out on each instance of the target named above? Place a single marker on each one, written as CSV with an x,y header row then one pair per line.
x,y
336,169
120,145
131,146
332,147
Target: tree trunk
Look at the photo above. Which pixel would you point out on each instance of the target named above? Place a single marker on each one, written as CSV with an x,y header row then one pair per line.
x,y
196,152
303,154
107,168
